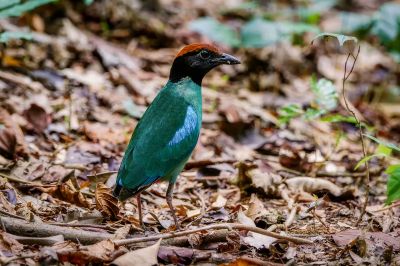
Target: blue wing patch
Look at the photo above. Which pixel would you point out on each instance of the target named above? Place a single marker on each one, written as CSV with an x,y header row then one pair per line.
x,y
189,125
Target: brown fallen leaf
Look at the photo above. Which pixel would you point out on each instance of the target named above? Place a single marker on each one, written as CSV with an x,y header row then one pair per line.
x,y
67,192
8,245
106,203
256,208
101,252
176,255
12,140
373,238
103,132
37,117
143,257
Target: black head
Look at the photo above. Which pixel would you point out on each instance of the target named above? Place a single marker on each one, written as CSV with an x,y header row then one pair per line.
x,y
195,60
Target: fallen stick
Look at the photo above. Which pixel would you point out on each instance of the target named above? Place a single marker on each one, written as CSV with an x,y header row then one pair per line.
x,y
24,228
20,227
228,226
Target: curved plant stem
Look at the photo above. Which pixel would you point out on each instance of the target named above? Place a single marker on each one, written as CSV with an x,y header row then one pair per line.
x,y
346,75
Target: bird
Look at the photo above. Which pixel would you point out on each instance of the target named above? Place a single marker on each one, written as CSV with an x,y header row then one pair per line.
x,y
168,131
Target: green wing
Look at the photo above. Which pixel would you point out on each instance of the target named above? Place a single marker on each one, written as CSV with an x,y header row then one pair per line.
x,y
162,142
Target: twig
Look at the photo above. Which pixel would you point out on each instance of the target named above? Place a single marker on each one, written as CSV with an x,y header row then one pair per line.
x,y
228,226
292,215
11,215
360,130
202,163
396,204
5,261
99,226
16,179
43,241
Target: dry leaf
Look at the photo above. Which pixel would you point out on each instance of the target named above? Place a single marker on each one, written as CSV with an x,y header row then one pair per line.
x,y
256,208
268,181
100,252
219,202
254,239
67,192
140,257
106,203
12,140
8,245
38,118
122,232
312,185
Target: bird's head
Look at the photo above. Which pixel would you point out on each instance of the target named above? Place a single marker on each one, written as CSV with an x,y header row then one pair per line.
x,y
195,60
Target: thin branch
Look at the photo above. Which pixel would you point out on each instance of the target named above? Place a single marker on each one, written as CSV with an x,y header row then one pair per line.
x,y
396,204
229,226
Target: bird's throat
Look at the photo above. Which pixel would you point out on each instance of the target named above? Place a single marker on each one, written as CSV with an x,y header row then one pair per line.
x,y
181,70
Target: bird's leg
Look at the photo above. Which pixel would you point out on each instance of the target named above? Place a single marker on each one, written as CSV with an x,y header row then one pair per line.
x,y
170,191
139,205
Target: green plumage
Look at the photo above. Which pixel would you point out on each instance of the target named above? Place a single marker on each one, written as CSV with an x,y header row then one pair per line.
x,y
163,139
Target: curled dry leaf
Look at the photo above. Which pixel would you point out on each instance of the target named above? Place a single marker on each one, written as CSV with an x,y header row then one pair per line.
x,y
12,141
143,257
312,185
67,192
106,203
268,181
250,176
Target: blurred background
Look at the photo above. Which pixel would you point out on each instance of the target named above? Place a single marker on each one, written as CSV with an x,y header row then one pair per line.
x,y
76,76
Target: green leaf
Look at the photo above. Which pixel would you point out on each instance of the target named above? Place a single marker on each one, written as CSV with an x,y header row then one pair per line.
x,y
387,22
340,37
393,185
384,143
7,3
19,9
312,13
260,33
382,149
352,22
366,159
216,31
326,96
288,112
338,118
312,113
8,35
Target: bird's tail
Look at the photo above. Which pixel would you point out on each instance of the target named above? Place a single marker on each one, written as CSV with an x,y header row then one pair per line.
x,y
117,190
122,193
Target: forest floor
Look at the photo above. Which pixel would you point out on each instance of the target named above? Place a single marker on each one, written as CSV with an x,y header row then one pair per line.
x,y
70,99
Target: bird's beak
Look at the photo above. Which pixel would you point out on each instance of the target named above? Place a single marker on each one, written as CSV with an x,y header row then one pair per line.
x,y
227,59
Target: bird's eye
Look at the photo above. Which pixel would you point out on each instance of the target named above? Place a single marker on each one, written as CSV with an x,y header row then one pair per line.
x,y
205,54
